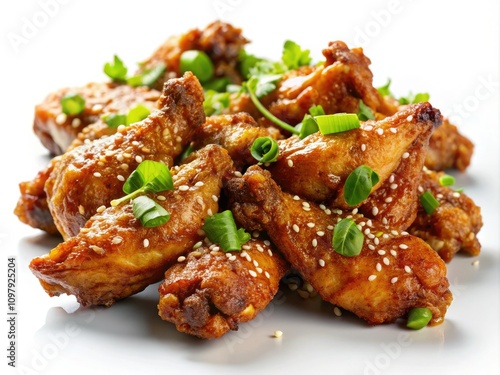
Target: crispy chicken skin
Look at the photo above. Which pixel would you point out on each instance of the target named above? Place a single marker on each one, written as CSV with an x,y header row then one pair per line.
x,y
449,149
210,292
236,133
317,166
393,273
114,256
453,225
90,176
57,130
221,41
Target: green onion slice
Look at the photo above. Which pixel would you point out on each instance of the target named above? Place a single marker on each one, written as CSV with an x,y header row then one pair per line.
x,y
147,77
149,176
337,123
265,150
150,213
365,112
446,180
197,62
429,203
136,114
419,317
347,238
359,184
115,120
72,104
116,70
221,229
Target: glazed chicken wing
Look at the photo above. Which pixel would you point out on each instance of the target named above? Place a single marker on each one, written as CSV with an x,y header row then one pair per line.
x,y
114,256
88,177
394,272
453,225
211,292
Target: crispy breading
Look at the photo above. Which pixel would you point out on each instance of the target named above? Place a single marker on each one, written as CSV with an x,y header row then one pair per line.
x,y
114,256
211,292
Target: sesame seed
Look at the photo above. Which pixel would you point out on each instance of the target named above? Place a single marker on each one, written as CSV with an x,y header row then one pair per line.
x,y
215,198
209,212
403,246
160,197
475,263
97,249
278,334
290,163
81,210
372,277
322,206
97,174
384,221
296,198
393,130
100,209
267,242
296,228
258,269
259,248
404,233
409,118
385,235
405,155
197,245
394,253
61,118
330,227
310,225
368,128
320,233
371,247
120,178
199,184
371,236
367,230
376,241
183,188
76,122
378,267
394,232
138,159
119,157
388,200
386,261
381,252
374,211
354,211
124,166
420,189
321,262
252,273
394,186
181,259
116,240
178,139
337,311
456,194
255,263
369,223
269,251
135,143
97,107
439,196
328,211
232,258
315,242
145,242
393,280
391,179
408,269
306,204
363,147
380,131
237,173
267,274
246,247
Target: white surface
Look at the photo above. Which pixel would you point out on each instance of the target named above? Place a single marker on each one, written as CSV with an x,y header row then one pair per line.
x,y
449,50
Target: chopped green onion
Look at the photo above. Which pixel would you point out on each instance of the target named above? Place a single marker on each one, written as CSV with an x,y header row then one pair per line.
x,y
446,180
221,229
359,184
215,102
337,123
307,127
347,238
197,62
265,150
116,70
316,110
217,84
150,213
136,114
429,203
294,56
413,99
385,90
365,112
115,120
419,317
149,176
147,77
72,104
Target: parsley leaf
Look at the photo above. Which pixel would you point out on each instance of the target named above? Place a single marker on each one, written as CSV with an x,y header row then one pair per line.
x,y
294,56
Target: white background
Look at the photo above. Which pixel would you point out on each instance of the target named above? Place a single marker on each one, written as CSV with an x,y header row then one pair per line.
x,y
446,48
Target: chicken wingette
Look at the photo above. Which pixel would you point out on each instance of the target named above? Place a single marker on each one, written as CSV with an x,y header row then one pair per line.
x,y
113,256
394,272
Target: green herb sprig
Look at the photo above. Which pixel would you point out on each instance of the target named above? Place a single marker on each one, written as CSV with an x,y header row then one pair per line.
x,y
347,238
359,184
221,229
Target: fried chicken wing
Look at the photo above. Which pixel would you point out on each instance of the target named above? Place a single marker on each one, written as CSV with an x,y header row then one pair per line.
x,y
221,41
56,130
211,292
394,272
236,133
317,166
454,224
114,256
90,176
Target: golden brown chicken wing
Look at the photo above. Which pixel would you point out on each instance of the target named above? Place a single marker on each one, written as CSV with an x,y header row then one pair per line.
x,y
211,292
57,130
394,272
317,166
221,41
114,256
86,178
236,133
454,224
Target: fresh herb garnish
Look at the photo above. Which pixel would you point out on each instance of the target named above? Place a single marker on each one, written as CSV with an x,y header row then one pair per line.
x,y
116,70
446,180
309,125
221,229
215,102
198,63
265,150
150,213
149,176
385,90
365,112
413,99
419,317
359,184
72,104
294,56
114,120
347,238
337,123
136,114
428,202
148,77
